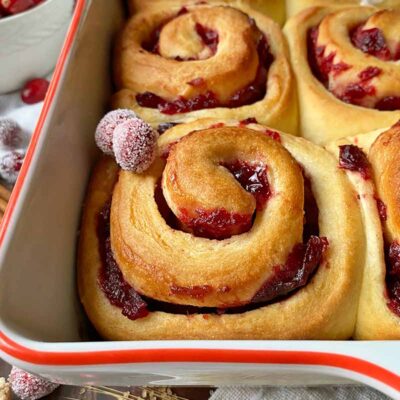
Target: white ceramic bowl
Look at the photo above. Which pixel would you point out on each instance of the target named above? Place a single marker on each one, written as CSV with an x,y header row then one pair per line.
x,y
31,41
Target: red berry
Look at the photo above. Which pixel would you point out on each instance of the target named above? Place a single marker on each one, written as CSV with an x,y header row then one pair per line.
x,y
134,145
17,6
34,91
105,129
10,165
30,387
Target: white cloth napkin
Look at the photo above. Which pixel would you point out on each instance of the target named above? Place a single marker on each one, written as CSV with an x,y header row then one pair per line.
x,y
298,393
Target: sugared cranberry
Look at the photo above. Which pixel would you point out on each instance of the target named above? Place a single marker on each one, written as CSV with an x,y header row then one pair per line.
x,y
10,165
34,91
30,387
354,159
134,145
113,284
11,134
105,129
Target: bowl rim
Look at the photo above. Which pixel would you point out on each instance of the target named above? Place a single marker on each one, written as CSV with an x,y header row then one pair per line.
x,y
70,354
28,12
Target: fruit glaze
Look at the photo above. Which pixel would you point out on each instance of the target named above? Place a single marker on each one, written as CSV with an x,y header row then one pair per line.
x,y
202,61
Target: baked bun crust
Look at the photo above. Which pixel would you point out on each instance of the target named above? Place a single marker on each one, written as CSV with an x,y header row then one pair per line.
x,y
207,61
274,9
169,264
343,88
379,308
295,6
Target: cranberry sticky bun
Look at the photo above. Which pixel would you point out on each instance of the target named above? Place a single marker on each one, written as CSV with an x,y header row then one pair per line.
x,y
295,6
347,64
180,64
372,162
274,9
236,231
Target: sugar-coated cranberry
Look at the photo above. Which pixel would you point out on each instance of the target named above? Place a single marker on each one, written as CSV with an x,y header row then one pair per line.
x,y
10,165
34,91
30,387
10,133
134,145
105,129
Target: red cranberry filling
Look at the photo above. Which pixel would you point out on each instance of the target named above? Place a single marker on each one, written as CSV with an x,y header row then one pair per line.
x,y
253,179
393,277
220,224
215,224
354,159
250,94
273,135
196,292
354,93
382,209
370,41
181,105
296,272
208,36
388,103
321,65
111,281
248,121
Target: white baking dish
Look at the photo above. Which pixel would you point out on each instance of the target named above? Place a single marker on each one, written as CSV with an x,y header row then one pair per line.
x,y
42,328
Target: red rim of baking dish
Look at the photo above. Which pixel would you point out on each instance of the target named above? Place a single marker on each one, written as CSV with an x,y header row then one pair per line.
x,y
32,356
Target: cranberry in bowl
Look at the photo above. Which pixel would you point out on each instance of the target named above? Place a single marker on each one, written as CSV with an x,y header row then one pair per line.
x,y
31,37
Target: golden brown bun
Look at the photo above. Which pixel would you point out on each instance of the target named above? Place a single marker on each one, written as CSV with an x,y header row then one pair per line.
x,y
376,321
274,9
324,116
144,244
295,6
232,68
